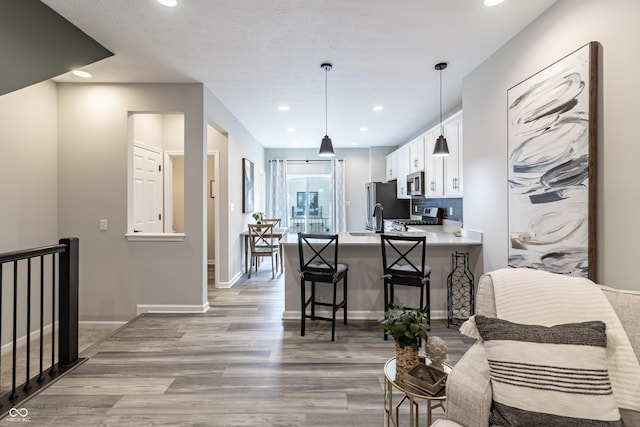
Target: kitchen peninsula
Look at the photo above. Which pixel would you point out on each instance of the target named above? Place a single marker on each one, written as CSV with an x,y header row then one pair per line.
x,y
362,252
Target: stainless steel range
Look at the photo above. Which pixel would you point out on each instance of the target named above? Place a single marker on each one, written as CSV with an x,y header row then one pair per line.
x,y
431,216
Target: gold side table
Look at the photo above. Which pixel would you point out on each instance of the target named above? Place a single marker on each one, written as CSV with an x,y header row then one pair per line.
x,y
392,412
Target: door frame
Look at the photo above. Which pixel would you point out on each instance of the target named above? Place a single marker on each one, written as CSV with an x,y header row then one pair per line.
x,y
216,212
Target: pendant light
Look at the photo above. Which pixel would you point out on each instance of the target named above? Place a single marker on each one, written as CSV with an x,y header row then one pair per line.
x,y
326,147
441,148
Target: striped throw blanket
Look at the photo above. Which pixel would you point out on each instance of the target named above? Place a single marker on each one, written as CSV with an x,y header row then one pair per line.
x,y
540,298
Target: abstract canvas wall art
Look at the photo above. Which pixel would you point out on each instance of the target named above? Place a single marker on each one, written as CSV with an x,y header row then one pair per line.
x,y
247,186
552,166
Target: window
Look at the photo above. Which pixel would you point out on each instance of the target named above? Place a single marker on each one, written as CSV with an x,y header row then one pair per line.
x,y
310,196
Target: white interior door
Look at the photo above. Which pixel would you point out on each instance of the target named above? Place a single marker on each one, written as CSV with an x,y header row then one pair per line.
x,y
147,190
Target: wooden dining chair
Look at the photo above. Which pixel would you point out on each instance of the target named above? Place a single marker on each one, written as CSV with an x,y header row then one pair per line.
x,y
261,241
276,223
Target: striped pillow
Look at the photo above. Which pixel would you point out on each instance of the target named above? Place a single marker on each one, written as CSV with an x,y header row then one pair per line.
x,y
548,376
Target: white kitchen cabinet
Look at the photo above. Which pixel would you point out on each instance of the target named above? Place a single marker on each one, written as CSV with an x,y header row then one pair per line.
x,y
453,162
443,175
416,155
402,164
433,173
392,172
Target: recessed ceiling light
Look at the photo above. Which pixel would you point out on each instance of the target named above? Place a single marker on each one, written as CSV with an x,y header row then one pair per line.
x,y
81,73
378,108
291,129
354,143
492,2
168,3
295,143
284,108
363,129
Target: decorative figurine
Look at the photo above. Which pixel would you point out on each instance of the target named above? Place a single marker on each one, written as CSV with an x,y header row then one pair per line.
x,y
436,350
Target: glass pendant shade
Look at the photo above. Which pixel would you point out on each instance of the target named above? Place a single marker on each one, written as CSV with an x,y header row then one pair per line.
x,y
326,147
441,148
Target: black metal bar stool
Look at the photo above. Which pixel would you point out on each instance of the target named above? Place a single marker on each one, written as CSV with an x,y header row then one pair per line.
x,y
400,270
319,263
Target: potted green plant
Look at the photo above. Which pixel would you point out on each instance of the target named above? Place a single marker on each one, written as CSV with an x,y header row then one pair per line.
x,y
258,216
407,327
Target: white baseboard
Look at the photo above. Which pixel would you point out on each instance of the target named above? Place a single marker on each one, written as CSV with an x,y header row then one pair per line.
x,y
171,308
21,341
35,335
231,282
355,315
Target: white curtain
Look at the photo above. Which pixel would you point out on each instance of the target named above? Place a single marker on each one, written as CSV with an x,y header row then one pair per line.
x,y
278,191
339,221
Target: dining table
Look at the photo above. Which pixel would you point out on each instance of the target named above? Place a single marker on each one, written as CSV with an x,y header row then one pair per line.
x,y
278,232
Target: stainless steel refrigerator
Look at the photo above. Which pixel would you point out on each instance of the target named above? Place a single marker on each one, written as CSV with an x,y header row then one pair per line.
x,y
381,202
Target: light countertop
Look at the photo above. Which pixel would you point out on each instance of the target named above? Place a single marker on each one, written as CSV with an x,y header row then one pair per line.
x,y
435,237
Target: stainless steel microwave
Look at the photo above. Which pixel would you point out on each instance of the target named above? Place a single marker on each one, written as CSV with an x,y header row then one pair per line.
x,y
415,184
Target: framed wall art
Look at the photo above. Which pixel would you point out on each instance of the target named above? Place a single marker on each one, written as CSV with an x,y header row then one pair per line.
x,y
552,166
247,186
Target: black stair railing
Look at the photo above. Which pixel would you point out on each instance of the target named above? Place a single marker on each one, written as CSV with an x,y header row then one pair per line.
x,y
63,260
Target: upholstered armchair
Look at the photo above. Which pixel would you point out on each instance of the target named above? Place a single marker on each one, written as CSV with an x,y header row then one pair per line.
x,y
469,389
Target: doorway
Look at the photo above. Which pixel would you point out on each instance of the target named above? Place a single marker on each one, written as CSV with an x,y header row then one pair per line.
x,y
213,243
216,261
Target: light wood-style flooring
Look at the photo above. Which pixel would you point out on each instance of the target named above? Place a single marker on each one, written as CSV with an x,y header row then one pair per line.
x,y
237,365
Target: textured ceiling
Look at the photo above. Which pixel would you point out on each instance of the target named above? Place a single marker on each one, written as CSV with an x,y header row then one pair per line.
x,y
256,54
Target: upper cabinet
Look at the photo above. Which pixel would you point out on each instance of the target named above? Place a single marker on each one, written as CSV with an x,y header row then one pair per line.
x,y
392,172
416,155
402,164
453,162
434,167
443,175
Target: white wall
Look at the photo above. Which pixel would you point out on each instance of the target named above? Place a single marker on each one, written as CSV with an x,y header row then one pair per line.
x,y
147,129
115,274
28,168
28,190
565,27
177,194
378,163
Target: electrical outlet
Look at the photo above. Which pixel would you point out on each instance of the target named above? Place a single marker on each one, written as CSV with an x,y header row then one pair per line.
x,y
104,225
451,211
